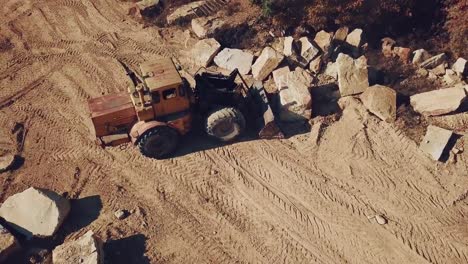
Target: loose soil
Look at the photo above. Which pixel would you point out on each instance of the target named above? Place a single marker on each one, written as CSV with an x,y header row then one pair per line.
x,y
255,201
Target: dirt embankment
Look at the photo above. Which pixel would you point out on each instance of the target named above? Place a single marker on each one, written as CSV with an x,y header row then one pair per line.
x,y
255,201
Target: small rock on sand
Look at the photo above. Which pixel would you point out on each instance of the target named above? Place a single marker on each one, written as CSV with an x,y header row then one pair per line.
x,y
6,162
381,220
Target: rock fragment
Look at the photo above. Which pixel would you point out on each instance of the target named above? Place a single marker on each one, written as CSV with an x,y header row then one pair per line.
x,y
438,102
387,47
316,64
120,214
451,77
381,101
331,70
352,74
435,61
6,162
402,53
435,141
268,61
8,244
419,56
35,212
204,51
231,59
86,249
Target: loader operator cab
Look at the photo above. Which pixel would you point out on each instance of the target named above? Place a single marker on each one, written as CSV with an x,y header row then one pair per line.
x,y
162,92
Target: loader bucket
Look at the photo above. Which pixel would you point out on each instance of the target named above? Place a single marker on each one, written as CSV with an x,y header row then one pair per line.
x,y
268,129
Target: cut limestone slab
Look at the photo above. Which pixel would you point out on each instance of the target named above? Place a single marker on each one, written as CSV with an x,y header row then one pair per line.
x,y
231,59
352,74
35,212
268,61
6,162
419,56
206,26
355,38
86,249
8,244
435,61
295,98
279,77
460,66
435,141
308,50
381,101
204,51
438,102
184,12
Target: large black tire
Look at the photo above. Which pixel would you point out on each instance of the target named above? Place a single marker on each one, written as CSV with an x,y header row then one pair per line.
x,y
225,124
159,142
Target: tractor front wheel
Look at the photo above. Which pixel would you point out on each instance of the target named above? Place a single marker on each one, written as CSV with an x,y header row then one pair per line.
x,y
158,142
225,124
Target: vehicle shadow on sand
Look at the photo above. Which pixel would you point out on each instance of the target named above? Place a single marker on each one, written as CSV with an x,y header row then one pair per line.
x,y
197,140
126,250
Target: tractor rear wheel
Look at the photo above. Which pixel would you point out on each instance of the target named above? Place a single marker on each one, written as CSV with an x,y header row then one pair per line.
x,y
225,124
159,142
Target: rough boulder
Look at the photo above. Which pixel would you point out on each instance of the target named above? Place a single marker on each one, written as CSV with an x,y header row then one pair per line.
x,y
204,51
381,101
35,212
438,102
352,74
231,59
266,63
295,98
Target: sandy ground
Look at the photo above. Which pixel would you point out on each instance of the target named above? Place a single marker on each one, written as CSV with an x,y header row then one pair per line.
x,y
256,201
